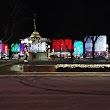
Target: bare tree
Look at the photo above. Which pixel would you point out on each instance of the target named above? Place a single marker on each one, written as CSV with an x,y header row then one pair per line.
x,y
15,16
93,39
69,50
84,42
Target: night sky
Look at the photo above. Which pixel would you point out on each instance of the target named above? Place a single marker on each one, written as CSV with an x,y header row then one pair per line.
x,y
55,18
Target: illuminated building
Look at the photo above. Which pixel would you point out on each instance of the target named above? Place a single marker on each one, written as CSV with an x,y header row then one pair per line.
x,y
36,45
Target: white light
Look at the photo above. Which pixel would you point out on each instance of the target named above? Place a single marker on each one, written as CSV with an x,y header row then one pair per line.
x,y
30,41
82,65
25,40
22,41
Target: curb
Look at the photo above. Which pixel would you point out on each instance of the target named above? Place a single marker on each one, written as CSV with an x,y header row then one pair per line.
x,y
82,74
6,64
56,75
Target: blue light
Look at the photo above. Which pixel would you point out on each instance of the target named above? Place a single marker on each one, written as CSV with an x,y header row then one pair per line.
x,y
78,48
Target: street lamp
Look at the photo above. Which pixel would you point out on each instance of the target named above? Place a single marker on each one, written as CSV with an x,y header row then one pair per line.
x,y
61,50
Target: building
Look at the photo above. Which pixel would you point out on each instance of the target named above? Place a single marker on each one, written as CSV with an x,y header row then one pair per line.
x,y
36,45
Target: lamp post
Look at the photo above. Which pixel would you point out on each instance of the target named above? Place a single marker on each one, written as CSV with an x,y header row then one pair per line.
x,y
61,50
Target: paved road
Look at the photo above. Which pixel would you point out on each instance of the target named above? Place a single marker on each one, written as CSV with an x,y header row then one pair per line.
x,y
54,93
57,92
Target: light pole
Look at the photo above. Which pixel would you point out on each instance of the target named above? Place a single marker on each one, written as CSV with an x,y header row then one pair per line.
x,y
61,50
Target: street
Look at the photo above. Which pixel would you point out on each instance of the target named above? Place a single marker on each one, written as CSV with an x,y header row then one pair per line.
x,y
21,91
54,93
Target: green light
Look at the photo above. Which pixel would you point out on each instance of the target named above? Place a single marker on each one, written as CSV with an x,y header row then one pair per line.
x,y
15,47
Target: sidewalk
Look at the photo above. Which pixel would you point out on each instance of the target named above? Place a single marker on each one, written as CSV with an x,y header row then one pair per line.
x,y
8,62
13,68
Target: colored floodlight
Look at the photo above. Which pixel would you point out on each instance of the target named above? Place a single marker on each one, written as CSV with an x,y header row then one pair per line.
x,y
15,47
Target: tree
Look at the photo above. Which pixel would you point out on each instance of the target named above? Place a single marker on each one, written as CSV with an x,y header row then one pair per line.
x,y
16,14
69,50
85,40
93,39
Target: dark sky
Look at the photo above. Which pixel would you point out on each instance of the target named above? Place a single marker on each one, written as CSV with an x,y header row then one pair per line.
x,y
57,18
